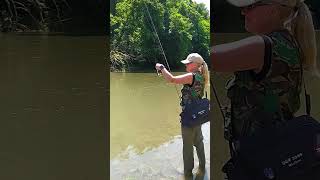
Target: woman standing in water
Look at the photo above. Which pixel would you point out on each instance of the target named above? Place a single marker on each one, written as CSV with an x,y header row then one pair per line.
x,y
194,82
267,66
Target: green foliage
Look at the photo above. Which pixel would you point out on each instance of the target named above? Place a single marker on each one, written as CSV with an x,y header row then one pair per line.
x,y
183,26
33,15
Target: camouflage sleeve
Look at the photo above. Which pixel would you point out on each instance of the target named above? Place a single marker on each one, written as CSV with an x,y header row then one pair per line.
x,y
193,79
267,59
280,55
197,85
284,49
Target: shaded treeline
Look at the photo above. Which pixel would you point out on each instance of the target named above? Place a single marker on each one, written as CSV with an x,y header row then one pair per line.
x,y
183,26
88,16
53,15
227,18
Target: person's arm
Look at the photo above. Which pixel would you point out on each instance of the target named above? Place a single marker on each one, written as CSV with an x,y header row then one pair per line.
x,y
181,79
246,54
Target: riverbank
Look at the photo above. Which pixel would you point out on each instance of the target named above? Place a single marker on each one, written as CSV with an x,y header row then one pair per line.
x,y
163,162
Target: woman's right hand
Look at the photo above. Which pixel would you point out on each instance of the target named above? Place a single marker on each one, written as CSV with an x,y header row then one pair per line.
x,y
158,66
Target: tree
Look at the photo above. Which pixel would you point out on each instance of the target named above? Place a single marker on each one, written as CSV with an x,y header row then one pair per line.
x,y
181,25
53,15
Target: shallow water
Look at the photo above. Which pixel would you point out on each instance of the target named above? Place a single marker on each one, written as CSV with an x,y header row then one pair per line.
x,y
163,162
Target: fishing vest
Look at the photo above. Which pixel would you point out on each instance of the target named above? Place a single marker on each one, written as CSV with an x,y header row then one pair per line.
x,y
193,91
269,98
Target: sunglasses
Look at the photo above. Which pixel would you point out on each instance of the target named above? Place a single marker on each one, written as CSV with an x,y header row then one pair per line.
x,y
252,6
261,3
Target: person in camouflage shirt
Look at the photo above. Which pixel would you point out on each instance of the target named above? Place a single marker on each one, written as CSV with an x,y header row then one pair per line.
x,y
193,91
265,89
268,98
194,82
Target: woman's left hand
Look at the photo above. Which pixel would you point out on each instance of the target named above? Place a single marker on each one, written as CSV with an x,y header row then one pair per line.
x,y
158,65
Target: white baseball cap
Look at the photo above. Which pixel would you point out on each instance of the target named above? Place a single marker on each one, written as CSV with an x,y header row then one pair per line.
x,y
193,58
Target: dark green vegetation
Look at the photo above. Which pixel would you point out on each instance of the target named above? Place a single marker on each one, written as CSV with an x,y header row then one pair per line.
x,y
227,18
183,27
81,16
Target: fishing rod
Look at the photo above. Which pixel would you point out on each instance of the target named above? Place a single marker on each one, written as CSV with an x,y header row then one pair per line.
x,y
218,101
231,149
161,48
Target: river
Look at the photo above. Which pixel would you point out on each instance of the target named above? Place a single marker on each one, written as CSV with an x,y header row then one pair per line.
x,y
53,107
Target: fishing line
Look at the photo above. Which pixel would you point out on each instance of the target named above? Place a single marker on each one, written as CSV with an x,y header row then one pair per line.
x,y
231,148
161,48
218,101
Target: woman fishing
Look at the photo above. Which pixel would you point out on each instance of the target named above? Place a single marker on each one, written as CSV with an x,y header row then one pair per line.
x,y
267,66
194,82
